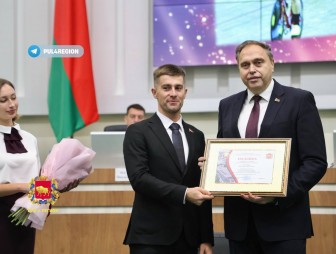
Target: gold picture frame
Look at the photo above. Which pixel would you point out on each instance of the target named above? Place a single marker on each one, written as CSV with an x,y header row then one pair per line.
x,y
238,166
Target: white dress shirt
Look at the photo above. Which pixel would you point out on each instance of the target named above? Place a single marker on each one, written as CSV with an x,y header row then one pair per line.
x,y
166,123
19,167
248,105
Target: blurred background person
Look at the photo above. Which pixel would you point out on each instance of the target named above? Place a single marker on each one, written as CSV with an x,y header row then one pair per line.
x,y
135,113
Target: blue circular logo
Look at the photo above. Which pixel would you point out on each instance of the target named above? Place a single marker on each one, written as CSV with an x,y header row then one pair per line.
x,y
34,51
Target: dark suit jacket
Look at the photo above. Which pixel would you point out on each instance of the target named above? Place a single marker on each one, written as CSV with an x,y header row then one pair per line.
x,y
292,115
116,128
159,215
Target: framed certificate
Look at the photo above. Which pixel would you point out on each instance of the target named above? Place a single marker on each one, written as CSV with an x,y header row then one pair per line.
x,y
238,166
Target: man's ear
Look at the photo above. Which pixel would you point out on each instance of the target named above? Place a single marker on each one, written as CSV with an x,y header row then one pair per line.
x,y
153,90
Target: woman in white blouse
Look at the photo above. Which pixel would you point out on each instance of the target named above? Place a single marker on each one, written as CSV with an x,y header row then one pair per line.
x,y
19,163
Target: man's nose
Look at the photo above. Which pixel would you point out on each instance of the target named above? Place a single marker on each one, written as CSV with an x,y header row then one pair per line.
x,y
173,92
252,68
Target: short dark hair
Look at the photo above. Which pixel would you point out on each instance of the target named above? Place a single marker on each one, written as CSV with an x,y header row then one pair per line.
x,y
265,46
136,106
7,82
170,70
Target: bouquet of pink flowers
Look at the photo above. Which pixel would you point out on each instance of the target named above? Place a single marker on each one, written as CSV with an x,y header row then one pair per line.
x,y
67,162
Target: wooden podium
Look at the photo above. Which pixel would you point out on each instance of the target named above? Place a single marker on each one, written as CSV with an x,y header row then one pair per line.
x,y
93,218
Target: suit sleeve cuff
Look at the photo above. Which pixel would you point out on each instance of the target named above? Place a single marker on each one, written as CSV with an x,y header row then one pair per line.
x,y
185,195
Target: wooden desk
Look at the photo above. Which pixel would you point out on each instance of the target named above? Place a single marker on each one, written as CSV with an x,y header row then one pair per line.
x,y
93,218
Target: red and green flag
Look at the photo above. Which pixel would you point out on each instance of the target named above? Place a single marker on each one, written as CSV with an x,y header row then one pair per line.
x,y
71,96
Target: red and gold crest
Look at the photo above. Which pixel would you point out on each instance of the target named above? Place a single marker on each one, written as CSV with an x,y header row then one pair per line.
x,y
43,191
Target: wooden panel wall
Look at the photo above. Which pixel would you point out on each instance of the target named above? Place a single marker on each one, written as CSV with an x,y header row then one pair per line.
x,y
74,229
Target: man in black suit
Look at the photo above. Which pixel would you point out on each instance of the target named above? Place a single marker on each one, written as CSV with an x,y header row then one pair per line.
x,y
269,225
170,215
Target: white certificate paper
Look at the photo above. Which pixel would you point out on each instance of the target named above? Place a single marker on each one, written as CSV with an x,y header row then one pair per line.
x,y
245,166
236,166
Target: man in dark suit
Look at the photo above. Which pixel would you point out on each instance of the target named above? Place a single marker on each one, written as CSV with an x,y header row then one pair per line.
x,y
170,215
134,113
269,225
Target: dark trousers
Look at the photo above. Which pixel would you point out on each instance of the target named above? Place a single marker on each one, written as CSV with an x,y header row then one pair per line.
x,y
14,239
181,246
253,244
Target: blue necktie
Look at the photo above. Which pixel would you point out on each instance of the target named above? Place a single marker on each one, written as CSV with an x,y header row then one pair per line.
x,y
178,144
252,124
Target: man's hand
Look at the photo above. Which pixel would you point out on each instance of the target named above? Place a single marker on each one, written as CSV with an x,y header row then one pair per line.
x,y
205,248
198,195
201,162
257,199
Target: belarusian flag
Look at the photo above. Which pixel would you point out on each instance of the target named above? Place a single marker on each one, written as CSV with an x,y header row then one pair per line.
x,y
71,97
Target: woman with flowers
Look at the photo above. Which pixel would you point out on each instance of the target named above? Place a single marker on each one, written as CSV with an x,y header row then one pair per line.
x,y
19,163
